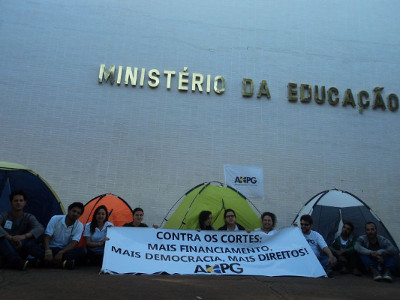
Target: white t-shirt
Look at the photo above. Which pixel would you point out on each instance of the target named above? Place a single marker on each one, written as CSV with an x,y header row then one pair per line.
x,y
98,235
316,242
61,234
272,232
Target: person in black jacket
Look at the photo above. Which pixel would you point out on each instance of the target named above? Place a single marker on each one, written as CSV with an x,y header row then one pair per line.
x,y
230,221
137,219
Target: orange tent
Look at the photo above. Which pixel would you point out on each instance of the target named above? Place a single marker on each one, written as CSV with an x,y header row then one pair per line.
x,y
118,210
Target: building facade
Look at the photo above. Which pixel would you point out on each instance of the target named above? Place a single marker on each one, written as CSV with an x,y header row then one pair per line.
x,y
181,104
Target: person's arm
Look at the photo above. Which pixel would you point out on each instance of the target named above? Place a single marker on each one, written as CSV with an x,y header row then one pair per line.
x,y
387,247
59,255
87,234
91,244
36,229
334,247
3,232
360,248
331,258
48,254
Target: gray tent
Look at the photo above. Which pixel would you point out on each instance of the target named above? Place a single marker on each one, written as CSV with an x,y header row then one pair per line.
x,y
329,209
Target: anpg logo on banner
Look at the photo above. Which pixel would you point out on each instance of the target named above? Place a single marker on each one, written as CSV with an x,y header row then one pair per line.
x,y
247,180
219,269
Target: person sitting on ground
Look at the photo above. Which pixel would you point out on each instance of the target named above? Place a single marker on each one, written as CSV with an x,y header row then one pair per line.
x,y
268,220
376,252
317,243
62,236
205,219
137,219
18,233
343,249
96,235
230,221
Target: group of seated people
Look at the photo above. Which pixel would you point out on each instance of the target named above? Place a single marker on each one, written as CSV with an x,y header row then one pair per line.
x,y
19,232
347,253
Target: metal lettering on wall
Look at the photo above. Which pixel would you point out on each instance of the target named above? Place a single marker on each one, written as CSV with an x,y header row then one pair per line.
x,y
197,82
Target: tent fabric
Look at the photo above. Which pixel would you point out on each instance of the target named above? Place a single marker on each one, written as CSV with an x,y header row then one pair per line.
x,y
119,211
42,201
214,197
330,209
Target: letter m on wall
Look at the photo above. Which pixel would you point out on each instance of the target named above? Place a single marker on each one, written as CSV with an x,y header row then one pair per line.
x,y
104,73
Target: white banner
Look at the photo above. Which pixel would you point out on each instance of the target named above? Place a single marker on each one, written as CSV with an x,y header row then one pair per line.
x,y
148,250
247,180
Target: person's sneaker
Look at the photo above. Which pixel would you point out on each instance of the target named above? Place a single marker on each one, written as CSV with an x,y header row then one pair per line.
x,y
375,274
387,276
329,273
68,264
20,264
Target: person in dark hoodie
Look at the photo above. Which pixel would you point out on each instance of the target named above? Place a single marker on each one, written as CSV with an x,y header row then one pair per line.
x,y
230,221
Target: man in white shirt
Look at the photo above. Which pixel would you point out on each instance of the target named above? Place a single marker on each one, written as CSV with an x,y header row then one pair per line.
x,y
62,236
317,244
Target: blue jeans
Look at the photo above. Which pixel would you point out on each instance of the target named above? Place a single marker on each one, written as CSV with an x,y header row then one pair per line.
x,y
323,260
369,261
12,253
77,253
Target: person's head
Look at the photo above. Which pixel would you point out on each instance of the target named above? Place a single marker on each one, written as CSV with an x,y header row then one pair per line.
x,y
371,230
347,229
306,223
268,220
230,217
101,214
137,216
205,219
17,200
75,210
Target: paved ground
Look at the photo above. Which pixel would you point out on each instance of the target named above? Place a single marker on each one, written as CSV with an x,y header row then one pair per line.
x,y
87,283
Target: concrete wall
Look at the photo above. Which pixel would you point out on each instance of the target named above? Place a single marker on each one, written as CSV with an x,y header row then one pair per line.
x,y
149,146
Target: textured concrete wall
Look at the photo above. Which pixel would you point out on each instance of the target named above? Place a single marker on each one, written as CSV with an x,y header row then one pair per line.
x,y
149,146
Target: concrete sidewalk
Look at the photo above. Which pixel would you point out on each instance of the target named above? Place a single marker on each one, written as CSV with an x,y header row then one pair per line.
x,y
87,283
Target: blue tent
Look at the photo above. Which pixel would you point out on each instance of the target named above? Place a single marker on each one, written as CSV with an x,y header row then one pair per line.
x,y
42,201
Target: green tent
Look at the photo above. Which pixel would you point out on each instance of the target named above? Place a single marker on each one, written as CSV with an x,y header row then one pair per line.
x,y
215,197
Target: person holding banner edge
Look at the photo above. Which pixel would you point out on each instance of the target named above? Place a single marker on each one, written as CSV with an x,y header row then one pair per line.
x,y
230,221
317,243
96,235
